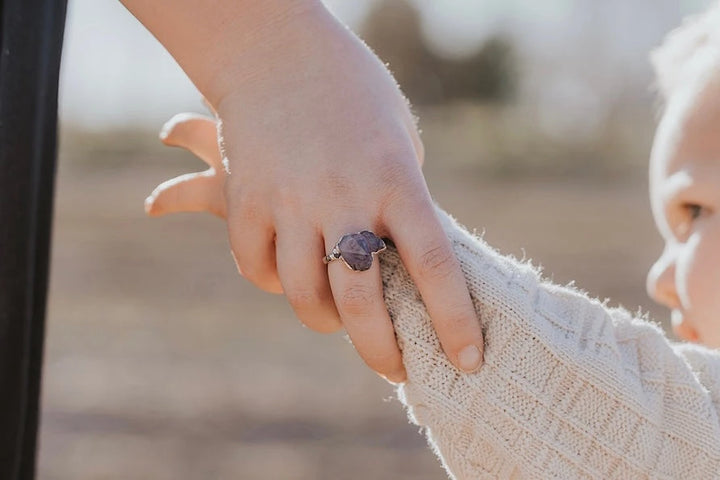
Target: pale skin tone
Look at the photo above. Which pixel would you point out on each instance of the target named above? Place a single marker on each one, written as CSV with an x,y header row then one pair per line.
x,y
684,192
319,142
685,198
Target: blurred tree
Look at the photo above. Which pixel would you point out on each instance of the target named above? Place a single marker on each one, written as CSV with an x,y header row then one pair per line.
x,y
393,30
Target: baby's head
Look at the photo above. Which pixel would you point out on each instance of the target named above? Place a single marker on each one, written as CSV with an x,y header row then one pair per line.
x,y
685,178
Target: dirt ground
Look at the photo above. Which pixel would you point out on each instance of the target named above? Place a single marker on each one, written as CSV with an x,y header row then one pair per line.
x,y
162,363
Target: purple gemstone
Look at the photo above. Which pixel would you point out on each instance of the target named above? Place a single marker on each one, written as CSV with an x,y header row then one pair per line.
x,y
355,250
375,243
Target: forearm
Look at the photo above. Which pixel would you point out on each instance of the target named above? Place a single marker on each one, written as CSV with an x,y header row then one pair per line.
x,y
220,42
570,388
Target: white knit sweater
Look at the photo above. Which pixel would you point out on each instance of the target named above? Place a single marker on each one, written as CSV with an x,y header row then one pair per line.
x,y
570,388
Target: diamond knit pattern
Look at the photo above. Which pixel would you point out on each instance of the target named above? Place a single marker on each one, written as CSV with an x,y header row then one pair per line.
x,y
570,388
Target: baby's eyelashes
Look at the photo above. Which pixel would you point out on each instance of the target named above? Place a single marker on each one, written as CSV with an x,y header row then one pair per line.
x,y
683,216
693,210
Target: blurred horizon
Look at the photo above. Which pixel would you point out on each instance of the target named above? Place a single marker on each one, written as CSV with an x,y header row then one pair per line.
x,y
574,56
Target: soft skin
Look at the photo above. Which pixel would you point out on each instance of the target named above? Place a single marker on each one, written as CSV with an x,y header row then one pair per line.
x,y
320,142
685,198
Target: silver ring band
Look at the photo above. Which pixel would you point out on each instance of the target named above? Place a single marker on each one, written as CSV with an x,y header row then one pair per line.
x,y
334,255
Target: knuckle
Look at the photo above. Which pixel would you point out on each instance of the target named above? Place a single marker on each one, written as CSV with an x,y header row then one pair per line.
x,y
306,299
393,171
406,196
356,300
244,204
396,164
396,184
437,263
396,150
458,317
288,199
249,210
337,183
385,363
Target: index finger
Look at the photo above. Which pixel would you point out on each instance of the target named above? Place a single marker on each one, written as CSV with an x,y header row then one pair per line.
x,y
428,256
196,133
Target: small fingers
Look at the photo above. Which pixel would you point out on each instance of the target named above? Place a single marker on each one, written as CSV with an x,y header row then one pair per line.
x,y
359,299
427,254
192,192
196,133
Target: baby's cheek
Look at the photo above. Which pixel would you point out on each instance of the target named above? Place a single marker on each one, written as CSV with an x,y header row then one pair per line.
x,y
702,278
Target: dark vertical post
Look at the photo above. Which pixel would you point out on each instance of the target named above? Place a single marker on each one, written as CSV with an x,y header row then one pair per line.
x,y
32,33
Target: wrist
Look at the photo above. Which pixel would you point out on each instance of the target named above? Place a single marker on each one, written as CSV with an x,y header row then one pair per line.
x,y
247,47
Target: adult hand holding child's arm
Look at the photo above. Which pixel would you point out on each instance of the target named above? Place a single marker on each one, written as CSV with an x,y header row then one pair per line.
x,y
570,388
320,142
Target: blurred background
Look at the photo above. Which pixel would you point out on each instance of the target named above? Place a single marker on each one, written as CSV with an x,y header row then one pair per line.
x,y
162,363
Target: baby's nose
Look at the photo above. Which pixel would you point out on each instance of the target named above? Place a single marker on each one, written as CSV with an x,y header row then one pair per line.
x,y
661,280
682,328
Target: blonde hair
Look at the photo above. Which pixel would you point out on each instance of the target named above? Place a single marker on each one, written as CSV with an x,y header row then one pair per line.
x,y
698,35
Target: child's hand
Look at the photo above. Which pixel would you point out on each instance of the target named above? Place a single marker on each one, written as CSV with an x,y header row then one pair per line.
x,y
192,192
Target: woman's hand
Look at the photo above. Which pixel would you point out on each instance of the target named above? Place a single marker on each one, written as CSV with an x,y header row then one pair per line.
x,y
192,192
203,191
319,142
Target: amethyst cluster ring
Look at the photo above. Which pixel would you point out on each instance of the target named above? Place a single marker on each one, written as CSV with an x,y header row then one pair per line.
x,y
356,250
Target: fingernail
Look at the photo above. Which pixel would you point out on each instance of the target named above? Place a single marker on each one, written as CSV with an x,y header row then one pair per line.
x,y
469,358
165,130
149,203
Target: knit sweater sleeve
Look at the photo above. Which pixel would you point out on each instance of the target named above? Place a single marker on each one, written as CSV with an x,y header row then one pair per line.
x,y
569,389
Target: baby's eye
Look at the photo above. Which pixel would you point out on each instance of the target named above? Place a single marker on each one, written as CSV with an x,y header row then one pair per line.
x,y
690,213
693,210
